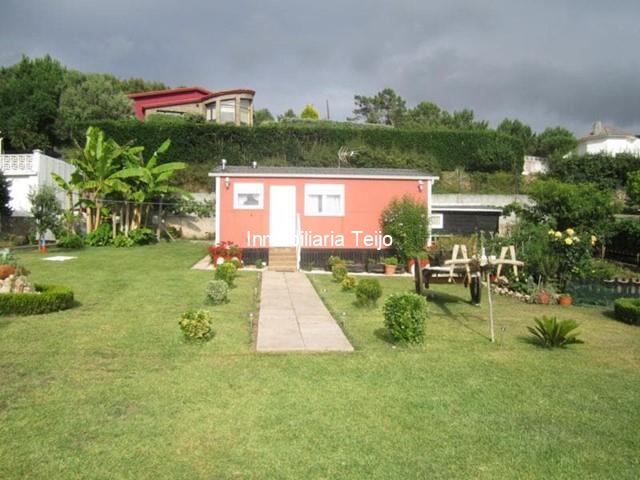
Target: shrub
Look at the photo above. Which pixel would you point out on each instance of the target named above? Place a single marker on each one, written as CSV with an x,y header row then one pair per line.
x,y
334,260
627,310
227,272
197,325
237,263
50,298
404,317
259,264
142,236
348,283
550,333
100,237
71,241
122,241
391,261
405,221
339,271
218,291
368,291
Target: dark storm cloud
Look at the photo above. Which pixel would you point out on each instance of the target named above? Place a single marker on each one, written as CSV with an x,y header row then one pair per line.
x,y
546,63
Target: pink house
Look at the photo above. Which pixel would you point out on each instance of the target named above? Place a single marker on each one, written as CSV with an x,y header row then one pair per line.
x,y
292,216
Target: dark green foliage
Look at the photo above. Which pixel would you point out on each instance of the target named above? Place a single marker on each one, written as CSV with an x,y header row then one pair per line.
x,y
50,299
122,241
142,236
259,264
368,291
46,211
550,333
339,272
197,325
385,107
633,184
218,291
262,115
316,144
100,237
406,221
554,141
404,317
605,171
70,240
627,310
5,197
624,236
519,130
227,272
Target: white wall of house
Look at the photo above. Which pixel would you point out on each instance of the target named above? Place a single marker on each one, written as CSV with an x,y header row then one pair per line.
x,y
28,172
610,146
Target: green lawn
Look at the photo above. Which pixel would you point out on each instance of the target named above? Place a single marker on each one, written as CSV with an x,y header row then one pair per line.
x,y
110,390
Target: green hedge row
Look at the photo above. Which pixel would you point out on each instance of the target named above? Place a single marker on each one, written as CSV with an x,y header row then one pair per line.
x,y
606,171
316,144
624,236
627,310
51,299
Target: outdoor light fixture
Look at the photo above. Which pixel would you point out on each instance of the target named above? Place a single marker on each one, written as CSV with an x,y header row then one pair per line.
x,y
227,182
420,185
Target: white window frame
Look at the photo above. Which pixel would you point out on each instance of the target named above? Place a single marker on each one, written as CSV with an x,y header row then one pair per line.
x,y
436,221
243,188
323,189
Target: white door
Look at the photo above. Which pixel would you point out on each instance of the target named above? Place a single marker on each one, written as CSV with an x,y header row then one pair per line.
x,y
282,216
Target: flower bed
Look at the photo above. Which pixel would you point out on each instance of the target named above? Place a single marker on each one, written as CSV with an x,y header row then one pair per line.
x,y
46,298
224,252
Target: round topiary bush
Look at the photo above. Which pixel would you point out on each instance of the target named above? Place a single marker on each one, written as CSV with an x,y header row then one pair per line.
x,y
348,283
627,310
404,316
227,272
368,291
218,291
49,298
197,325
339,271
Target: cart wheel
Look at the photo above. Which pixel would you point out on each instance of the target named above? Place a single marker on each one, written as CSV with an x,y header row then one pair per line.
x,y
474,288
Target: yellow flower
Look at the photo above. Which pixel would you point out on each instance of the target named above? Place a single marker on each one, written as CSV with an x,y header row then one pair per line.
x,y
558,234
568,241
570,232
594,239
576,239
552,232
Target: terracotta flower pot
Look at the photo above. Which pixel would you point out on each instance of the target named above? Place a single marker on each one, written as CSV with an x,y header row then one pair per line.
x,y
6,270
565,300
543,298
424,263
390,269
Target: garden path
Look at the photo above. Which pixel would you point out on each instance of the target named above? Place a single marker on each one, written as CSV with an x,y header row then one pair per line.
x,y
293,317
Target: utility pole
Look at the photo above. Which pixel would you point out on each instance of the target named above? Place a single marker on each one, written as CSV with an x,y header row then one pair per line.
x,y
328,113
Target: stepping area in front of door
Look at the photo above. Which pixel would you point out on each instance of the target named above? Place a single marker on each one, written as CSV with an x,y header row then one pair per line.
x,y
294,319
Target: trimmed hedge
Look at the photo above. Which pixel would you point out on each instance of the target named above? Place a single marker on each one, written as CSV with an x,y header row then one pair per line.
x,y
51,299
316,144
627,310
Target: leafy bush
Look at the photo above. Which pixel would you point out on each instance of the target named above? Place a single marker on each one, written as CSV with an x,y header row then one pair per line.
x,y
406,221
197,325
339,272
391,261
404,316
218,291
50,298
237,263
70,241
627,310
259,264
550,333
142,236
368,291
606,171
625,236
334,260
598,269
100,237
122,241
573,255
348,283
226,272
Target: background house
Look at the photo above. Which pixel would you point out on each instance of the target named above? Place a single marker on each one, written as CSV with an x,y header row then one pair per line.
x,y
275,213
225,106
609,140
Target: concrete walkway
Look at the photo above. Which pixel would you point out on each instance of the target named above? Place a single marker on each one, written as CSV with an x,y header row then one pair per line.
x,y
294,319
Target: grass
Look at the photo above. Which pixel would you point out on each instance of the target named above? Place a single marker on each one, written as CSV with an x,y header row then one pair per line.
x,y
110,390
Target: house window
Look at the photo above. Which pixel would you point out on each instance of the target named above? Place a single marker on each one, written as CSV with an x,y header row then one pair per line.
x,y
324,200
228,111
436,221
245,108
248,196
212,114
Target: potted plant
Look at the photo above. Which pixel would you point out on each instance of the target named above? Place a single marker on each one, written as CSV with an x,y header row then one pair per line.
x,y
423,258
390,265
543,293
565,299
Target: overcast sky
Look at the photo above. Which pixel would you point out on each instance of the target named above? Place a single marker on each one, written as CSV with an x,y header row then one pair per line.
x,y
546,62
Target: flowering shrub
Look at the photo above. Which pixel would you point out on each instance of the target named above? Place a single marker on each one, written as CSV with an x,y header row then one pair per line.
x,y
197,325
225,251
406,221
573,254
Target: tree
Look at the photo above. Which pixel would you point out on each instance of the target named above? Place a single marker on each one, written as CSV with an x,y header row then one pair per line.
x,y
406,221
288,115
555,141
426,114
91,97
309,112
5,197
46,211
633,187
135,85
463,120
384,107
519,130
261,116
29,96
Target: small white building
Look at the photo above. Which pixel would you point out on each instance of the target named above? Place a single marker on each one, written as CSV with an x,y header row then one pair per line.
x,y
28,172
609,140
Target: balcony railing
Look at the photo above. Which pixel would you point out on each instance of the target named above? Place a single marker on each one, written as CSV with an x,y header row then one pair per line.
x,y
17,163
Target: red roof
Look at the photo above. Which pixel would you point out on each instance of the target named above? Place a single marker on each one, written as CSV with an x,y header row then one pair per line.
x,y
170,91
